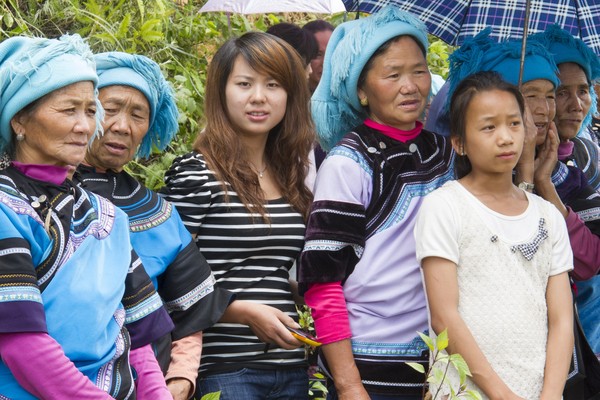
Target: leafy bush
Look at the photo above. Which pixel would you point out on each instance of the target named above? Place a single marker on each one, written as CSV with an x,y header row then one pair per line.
x,y
439,366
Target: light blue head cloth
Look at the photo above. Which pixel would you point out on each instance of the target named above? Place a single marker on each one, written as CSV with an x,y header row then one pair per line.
x,y
143,74
30,68
564,47
481,53
335,105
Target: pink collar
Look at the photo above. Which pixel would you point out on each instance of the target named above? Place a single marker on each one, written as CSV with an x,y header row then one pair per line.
x,y
43,172
395,133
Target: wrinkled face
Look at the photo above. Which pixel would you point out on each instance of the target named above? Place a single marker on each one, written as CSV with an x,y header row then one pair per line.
x,y
573,100
397,85
494,132
256,103
57,130
540,98
126,120
317,63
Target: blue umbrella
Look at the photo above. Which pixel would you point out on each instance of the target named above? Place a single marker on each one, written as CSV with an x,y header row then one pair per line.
x,y
453,21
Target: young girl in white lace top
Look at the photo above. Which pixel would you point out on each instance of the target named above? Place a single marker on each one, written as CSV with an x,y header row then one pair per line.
x,y
494,257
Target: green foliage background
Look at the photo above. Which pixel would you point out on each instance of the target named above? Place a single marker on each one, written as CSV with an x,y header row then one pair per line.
x,y
171,32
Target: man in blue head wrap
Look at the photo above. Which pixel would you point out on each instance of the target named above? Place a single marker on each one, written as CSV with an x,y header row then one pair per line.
x,y
141,115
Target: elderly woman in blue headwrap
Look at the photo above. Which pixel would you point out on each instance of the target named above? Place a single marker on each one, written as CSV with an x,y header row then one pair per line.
x,y
141,115
575,104
76,305
358,269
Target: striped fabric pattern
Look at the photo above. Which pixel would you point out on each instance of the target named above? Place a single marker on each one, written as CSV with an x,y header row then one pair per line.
x,y
456,20
248,257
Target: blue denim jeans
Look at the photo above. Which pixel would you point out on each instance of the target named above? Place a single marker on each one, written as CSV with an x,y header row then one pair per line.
x,y
256,384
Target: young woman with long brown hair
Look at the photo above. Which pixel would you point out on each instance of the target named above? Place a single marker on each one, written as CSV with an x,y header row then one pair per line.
x,y
241,193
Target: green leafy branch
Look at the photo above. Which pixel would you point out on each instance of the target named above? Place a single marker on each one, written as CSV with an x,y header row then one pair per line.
x,y
438,369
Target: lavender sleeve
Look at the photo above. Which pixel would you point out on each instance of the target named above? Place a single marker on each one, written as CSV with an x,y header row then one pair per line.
x,y
41,367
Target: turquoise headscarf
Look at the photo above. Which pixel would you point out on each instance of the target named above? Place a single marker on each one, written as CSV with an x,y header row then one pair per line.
x,y
30,68
143,74
481,53
564,47
335,105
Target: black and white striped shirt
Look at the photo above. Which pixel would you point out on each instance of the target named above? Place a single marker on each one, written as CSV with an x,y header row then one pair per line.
x,y
248,257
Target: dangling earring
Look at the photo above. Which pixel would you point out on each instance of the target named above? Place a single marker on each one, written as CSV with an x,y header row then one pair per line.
x,y
364,102
20,137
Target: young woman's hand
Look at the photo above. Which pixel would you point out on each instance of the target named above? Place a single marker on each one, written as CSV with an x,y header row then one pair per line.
x,y
268,323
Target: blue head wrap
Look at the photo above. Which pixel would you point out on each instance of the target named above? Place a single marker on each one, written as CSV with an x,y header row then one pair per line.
x,y
143,74
335,105
481,53
564,47
30,68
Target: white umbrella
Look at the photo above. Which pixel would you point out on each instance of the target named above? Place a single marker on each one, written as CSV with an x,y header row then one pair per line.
x,y
274,6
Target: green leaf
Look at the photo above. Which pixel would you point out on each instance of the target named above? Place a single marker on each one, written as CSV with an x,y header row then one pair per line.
x,y
474,395
8,20
442,340
124,26
438,375
428,341
461,366
212,396
141,7
416,366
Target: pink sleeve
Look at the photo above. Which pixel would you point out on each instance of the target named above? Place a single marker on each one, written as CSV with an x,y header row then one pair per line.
x,y
150,383
586,248
329,311
185,359
40,366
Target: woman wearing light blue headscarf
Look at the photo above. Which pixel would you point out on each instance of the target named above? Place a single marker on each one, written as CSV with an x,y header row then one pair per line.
x,y
76,304
141,115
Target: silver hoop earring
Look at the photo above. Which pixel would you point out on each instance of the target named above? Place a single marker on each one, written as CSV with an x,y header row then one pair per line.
x,y
20,137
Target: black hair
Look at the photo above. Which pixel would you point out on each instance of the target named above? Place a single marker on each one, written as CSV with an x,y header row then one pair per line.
x,y
467,89
318,25
302,41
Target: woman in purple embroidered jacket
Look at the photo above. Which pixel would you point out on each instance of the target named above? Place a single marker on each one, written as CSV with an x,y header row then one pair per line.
x,y
358,268
495,258
75,297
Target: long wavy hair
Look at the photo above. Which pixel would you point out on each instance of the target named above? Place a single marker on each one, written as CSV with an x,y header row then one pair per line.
x,y
288,143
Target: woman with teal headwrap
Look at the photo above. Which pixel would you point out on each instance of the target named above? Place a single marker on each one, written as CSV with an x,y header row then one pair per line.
x,y
77,309
141,115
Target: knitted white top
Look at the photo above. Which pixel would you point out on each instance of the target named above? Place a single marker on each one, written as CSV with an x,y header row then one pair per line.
x,y
501,281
